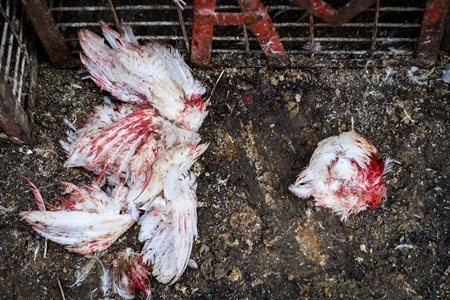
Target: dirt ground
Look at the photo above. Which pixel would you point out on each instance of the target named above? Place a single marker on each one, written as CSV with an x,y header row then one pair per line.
x,y
256,239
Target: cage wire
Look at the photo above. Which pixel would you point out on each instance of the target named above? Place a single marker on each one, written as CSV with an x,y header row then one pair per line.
x,y
18,72
387,32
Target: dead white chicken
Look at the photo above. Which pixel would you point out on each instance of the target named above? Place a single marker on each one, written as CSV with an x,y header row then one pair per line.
x,y
145,74
169,202
108,138
90,220
344,174
125,148
179,158
123,142
144,149
169,227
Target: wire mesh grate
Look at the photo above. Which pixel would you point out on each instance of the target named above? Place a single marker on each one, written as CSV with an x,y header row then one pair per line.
x,y
17,72
387,32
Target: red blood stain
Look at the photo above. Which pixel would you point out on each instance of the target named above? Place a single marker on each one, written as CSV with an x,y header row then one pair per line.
x,y
246,98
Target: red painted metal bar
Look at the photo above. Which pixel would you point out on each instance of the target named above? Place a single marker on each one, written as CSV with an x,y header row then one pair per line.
x,y
350,10
375,29
49,34
318,8
202,32
327,13
253,13
265,33
13,119
231,18
431,32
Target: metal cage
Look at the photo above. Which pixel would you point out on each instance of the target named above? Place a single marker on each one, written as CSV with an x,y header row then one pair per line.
x,y
239,33
18,71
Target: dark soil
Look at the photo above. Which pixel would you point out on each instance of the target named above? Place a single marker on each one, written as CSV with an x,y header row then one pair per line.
x,y
256,239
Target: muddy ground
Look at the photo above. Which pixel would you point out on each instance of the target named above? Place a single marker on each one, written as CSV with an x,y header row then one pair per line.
x,y
256,240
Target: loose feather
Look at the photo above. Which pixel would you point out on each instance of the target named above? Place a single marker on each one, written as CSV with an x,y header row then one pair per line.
x,y
88,221
79,231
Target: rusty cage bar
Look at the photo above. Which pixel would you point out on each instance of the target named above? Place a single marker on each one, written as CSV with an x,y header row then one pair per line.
x,y
240,33
17,76
247,33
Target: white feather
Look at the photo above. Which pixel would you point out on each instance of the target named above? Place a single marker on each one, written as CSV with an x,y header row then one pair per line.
x,y
169,228
90,220
177,159
79,231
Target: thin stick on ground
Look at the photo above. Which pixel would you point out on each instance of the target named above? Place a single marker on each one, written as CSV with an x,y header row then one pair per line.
x,y
61,289
214,87
45,248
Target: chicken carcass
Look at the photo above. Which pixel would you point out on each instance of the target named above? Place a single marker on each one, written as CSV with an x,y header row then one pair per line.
x,y
169,227
123,142
111,137
169,223
144,149
145,74
176,160
344,174
90,220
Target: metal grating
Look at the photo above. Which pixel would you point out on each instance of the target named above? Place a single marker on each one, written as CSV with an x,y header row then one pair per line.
x,y
312,33
17,75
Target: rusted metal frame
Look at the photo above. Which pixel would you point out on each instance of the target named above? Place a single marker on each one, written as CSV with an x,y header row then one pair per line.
x,y
219,18
205,17
293,53
312,42
183,28
19,66
431,32
17,77
202,32
41,17
253,13
115,18
374,30
350,10
264,31
15,38
246,41
13,119
314,63
9,38
6,46
318,8
189,7
367,25
326,12
32,84
4,36
96,24
117,8
14,32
